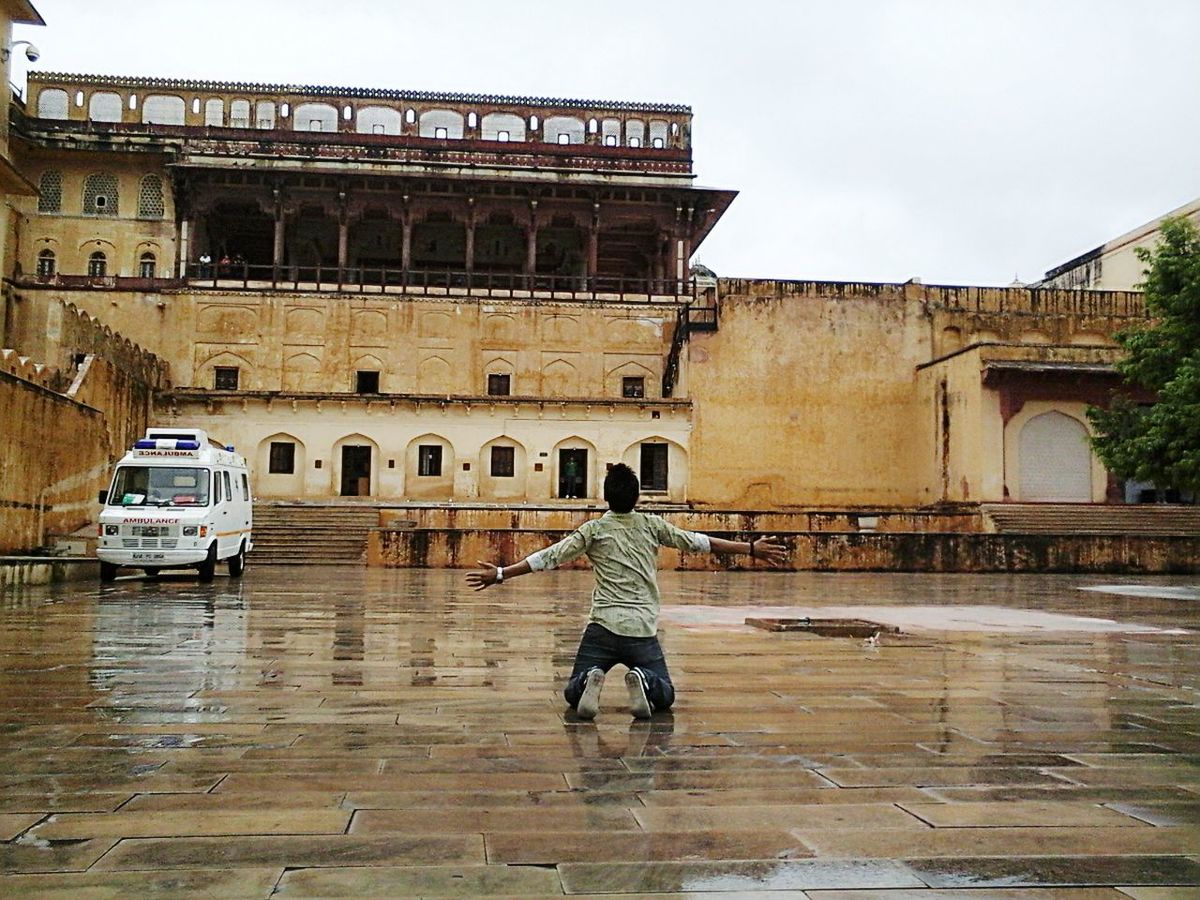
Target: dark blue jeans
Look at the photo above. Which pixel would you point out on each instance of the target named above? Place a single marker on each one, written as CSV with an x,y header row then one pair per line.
x,y
602,649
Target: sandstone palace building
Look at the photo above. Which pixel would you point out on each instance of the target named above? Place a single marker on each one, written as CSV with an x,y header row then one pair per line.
x,y
419,298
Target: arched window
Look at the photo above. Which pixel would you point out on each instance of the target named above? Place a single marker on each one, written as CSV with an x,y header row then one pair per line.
x,y
146,263
98,264
47,265
104,106
100,195
164,109
150,198
315,117
52,104
214,111
378,120
441,123
50,192
264,113
239,114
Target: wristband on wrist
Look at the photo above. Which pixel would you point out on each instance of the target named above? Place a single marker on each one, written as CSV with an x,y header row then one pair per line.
x,y
499,574
752,556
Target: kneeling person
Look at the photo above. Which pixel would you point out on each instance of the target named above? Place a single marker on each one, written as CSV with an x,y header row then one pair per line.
x,y
623,625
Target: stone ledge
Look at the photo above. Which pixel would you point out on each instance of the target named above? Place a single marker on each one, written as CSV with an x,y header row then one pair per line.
x,y
449,548
23,570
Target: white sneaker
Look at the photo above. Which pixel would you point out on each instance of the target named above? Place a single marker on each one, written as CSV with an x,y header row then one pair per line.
x,y
589,703
639,703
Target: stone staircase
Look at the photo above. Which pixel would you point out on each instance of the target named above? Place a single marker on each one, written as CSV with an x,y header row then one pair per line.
x,y
1150,519
311,534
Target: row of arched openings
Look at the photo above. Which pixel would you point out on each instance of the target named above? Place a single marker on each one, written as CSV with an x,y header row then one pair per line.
x,y
170,109
97,267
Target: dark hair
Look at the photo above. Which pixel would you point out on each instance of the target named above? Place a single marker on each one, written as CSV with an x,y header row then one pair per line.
x,y
621,488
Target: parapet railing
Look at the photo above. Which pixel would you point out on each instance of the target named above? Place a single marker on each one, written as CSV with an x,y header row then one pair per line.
x,y
383,280
378,280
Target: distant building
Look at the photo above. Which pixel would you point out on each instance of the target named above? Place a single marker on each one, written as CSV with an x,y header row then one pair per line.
x,y
1114,265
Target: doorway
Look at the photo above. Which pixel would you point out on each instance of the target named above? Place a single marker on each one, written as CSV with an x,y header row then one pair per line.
x,y
572,474
654,468
356,471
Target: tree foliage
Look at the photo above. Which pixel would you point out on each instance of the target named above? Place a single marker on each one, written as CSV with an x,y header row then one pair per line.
x,y
1159,442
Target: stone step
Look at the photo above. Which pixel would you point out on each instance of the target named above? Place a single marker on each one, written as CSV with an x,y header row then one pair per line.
x,y
1055,518
311,534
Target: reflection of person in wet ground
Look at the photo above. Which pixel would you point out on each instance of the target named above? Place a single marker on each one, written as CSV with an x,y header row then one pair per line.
x,y
623,625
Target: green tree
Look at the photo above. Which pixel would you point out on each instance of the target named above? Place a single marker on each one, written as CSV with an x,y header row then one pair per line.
x,y
1160,441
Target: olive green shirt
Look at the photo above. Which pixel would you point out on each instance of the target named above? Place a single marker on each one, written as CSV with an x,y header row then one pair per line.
x,y
623,549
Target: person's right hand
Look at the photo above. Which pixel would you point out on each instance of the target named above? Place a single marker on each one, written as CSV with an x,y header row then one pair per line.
x,y
484,578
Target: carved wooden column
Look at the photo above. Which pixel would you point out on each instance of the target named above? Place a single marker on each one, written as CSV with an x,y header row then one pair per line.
x,y
184,245
685,250
470,226
593,250
343,235
531,240
280,226
406,226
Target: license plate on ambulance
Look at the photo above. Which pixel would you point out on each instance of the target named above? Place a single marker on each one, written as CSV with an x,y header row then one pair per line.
x,y
148,557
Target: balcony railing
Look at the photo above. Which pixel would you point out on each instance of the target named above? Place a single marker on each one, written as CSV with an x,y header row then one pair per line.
x,y
381,280
374,280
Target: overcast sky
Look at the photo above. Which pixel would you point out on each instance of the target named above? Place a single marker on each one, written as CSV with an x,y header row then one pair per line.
x,y
960,141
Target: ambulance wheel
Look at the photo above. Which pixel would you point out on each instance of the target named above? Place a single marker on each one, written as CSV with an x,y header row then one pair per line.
x,y
208,568
108,571
237,564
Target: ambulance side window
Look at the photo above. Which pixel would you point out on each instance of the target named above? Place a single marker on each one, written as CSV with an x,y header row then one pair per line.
x,y
245,486
217,497
228,486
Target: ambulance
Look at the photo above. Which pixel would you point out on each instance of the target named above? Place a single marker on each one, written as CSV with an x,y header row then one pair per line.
x,y
178,500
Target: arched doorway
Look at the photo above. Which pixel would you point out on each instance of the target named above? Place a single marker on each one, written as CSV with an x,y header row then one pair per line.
x,y
356,457
1055,459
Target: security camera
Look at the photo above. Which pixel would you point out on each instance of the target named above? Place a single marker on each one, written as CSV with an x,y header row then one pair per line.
x,y
31,52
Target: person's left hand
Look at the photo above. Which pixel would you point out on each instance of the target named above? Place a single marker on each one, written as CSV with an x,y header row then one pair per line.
x,y
770,549
484,578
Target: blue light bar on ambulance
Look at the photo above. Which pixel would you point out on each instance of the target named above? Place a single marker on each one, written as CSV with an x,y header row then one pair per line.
x,y
163,444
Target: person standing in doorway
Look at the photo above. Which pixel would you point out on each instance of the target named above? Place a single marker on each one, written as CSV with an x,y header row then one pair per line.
x,y
571,477
623,625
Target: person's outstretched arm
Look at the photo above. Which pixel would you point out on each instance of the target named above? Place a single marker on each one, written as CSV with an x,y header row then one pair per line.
x,y
491,574
767,548
573,545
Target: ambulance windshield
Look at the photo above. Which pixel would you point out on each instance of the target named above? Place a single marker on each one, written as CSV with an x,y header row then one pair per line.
x,y
159,486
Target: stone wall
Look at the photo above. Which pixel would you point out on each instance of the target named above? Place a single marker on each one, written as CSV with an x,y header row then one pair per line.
x,y
65,424
825,551
813,393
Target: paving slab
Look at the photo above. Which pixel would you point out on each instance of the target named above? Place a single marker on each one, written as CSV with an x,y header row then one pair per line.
x,y
216,883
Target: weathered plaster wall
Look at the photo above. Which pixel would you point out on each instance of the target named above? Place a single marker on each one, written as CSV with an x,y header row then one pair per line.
x,y
427,345
894,552
66,422
806,396
51,456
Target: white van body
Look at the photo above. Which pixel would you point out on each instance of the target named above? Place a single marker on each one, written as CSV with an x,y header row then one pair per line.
x,y
176,500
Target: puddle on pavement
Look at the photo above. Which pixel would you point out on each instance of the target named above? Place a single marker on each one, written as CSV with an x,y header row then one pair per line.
x,y
827,627
983,619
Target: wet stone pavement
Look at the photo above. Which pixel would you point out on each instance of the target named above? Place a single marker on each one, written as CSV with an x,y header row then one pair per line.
x,y
346,732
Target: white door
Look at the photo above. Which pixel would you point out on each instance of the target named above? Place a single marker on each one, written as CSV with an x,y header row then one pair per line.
x,y
1056,459
224,517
